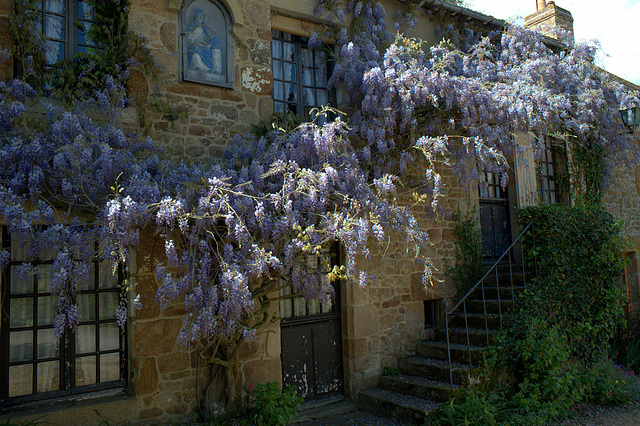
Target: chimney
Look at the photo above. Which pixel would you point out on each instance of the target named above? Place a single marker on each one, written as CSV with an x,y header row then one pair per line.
x,y
549,18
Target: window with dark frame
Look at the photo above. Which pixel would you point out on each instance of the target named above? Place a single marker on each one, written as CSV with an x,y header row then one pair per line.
x,y
36,365
65,24
546,175
300,75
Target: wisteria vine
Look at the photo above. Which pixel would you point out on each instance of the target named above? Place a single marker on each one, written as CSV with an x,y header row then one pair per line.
x,y
238,229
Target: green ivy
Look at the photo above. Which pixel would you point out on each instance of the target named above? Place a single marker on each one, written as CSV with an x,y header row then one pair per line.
x,y
468,268
79,78
553,351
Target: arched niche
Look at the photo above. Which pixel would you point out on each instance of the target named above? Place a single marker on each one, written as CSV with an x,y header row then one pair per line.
x,y
206,43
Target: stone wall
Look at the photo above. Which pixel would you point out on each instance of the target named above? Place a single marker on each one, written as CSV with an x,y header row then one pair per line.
x,y
381,322
384,320
622,200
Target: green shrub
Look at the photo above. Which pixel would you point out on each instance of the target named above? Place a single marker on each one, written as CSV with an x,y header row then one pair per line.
x,y
468,407
552,352
390,371
274,406
578,255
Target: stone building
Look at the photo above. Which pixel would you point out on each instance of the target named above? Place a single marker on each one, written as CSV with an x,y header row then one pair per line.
x,y
224,81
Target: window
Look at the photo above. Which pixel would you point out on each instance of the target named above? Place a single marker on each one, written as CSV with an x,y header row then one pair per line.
x,y
65,24
299,75
546,176
206,43
37,365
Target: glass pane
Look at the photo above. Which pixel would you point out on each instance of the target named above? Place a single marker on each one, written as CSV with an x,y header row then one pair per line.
x,y
107,278
289,52
277,70
44,278
54,51
309,99
90,282
87,305
47,254
85,10
20,380
286,308
278,107
22,312
314,307
54,27
277,90
48,376
86,339
56,6
276,49
48,344
21,346
109,337
108,305
307,77
327,306
46,310
21,280
18,253
321,59
85,370
286,36
109,367
289,72
83,33
307,58
299,306
322,97
293,108
292,93
321,76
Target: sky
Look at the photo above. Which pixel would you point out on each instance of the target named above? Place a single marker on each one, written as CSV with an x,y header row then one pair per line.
x,y
614,23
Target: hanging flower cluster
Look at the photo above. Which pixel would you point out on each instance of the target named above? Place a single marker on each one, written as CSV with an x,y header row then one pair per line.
x,y
238,229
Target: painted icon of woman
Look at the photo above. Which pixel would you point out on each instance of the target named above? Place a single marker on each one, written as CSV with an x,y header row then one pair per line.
x,y
203,52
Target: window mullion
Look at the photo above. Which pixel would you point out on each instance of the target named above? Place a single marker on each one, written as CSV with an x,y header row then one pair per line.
x,y
4,321
298,44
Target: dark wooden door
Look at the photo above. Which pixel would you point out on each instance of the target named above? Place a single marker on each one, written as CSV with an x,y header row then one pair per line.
x,y
312,345
494,219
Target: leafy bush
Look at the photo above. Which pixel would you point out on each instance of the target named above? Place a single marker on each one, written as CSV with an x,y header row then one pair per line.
x,y
274,406
552,354
390,371
469,407
578,284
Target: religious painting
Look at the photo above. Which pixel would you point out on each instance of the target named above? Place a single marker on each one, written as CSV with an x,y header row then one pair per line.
x,y
207,48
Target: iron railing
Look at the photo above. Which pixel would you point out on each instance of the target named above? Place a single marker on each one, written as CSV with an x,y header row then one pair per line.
x,y
481,283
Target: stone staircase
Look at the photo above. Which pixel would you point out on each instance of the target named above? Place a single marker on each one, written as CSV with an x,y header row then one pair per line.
x,y
423,382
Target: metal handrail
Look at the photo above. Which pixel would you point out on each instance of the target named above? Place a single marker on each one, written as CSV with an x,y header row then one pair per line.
x,y
463,300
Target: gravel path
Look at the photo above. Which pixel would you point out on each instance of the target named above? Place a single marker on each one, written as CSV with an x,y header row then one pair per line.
x,y
586,415
594,415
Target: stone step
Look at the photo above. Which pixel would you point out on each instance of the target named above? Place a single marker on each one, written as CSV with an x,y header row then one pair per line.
x,y
418,386
434,369
491,292
473,320
459,352
387,403
477,305
477,337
